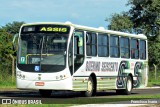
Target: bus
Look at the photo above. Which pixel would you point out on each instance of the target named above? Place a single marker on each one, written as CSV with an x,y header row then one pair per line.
x,y
56,56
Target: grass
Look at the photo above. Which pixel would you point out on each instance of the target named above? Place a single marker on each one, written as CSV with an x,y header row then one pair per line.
x,y
93,100
152,81
6,81
44,105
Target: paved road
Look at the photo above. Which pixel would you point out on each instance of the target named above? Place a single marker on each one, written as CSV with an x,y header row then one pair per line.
x,y
66,94
65,97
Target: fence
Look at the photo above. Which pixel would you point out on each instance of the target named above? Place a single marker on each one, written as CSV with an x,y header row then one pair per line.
x,y
7,76
154,75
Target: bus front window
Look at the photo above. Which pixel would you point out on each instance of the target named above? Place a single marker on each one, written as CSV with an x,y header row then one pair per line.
x,y
43,52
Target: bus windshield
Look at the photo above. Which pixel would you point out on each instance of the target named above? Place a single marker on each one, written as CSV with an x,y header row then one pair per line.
x,y
42,52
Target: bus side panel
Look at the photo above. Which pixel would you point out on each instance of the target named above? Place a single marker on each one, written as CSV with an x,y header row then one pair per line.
x,y
80,83
111,73
104,83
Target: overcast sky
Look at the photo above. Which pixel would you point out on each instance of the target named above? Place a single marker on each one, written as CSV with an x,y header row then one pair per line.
x,y
84,12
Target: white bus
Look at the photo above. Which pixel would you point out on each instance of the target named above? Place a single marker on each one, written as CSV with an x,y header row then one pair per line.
x,y
65,56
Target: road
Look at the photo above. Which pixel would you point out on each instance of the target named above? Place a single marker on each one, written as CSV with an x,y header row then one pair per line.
x,y
63,94
66,95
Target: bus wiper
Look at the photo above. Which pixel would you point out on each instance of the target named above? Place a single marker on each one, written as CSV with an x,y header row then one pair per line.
x,y
42,42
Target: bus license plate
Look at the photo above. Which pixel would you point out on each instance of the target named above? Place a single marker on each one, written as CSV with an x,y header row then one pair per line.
x,y
39,84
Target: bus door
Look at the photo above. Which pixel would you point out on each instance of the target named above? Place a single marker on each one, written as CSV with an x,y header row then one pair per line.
x,y
76,59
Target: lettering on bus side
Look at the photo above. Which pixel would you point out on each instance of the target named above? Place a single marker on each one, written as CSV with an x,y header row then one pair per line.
x,y
92,66
109,66
96,66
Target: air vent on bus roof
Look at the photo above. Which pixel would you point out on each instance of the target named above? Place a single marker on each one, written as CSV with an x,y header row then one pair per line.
x,y
102,28
68,22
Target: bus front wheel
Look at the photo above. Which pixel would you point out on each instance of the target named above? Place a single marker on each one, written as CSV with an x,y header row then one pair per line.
x,y
90,88
45,93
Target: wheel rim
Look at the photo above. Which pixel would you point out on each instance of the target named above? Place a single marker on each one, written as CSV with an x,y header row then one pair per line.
x,y
89,86
129,85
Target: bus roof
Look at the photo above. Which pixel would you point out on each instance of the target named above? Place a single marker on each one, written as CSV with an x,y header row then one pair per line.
x,y
99,30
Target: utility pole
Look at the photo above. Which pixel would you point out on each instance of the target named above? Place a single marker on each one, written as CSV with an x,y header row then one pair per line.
x,y
13,72
155,69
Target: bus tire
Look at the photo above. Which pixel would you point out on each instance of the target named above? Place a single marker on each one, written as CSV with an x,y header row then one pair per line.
x,y
45,93
90,88
129,86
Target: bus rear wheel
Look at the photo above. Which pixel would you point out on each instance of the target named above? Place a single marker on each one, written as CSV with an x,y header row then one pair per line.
x,y
129,85
45,93
128,89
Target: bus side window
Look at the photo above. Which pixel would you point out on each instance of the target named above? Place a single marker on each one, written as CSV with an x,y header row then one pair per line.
x,y
142,49
78,49
134,48
91,44
78,43
124,47
102,45
114,46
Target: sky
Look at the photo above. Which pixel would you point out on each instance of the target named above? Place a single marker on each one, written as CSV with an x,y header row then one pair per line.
x,y
83,12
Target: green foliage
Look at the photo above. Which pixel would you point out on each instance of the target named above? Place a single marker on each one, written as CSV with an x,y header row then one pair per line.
x,y
6,81
145,15
120,22
154,80
5,51
13,27
154,52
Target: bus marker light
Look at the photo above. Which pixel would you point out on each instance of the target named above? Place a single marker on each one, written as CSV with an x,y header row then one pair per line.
x,y
39,83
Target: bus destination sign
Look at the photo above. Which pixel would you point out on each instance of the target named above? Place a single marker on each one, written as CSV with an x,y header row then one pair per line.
x,y
46,29
53,29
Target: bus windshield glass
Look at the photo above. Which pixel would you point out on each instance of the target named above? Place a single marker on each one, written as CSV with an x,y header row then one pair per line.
x,y
43,48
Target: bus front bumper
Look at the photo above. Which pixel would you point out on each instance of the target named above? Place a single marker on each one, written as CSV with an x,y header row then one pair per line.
x,y
65,84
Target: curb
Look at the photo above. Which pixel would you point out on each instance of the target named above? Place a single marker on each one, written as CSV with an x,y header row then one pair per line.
x,y
110,105
148,88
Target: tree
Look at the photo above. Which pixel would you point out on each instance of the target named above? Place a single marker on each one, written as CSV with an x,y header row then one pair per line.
x,y
5,51
145,14
154,53
120,22
13,27
6,48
